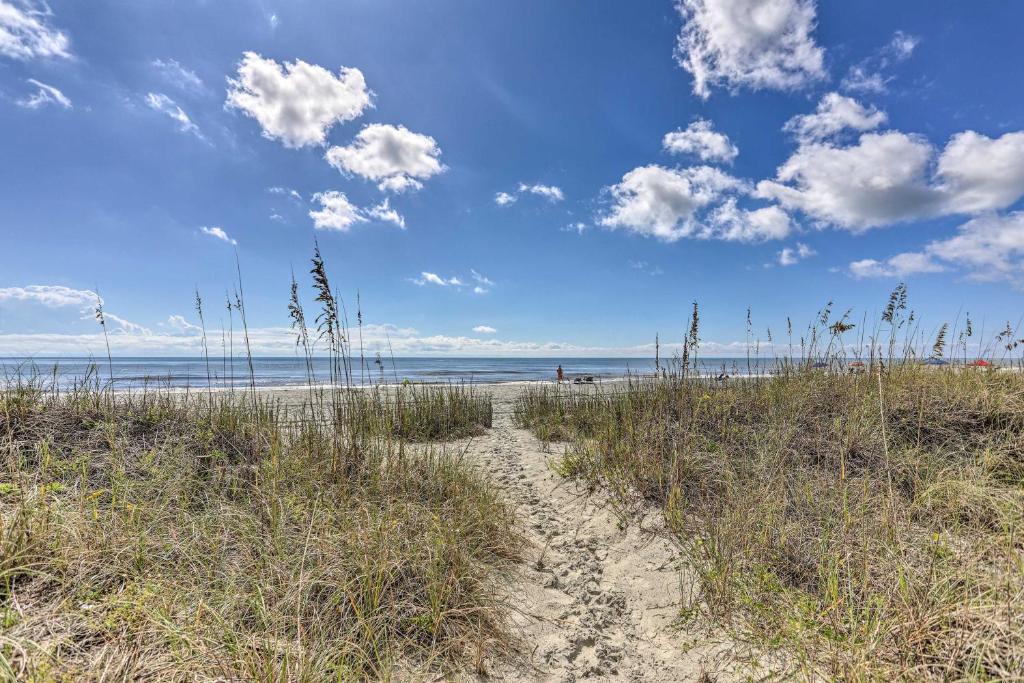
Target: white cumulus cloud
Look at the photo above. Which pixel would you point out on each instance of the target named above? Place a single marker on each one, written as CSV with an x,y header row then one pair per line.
x,y
384,212
297,103
661,202
749,43
504,199
336,212
485,329
701,140
888,177
397,158
793,255
835,113
730,223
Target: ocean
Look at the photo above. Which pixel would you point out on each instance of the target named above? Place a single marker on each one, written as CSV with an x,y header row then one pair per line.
x,y
182,372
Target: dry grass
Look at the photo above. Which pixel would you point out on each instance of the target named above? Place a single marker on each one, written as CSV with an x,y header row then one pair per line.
x,y
156,538
869,526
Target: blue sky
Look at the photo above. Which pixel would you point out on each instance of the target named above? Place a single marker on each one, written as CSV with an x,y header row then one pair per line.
x,y
528,178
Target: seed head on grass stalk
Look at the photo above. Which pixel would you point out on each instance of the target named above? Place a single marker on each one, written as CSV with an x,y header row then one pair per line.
x,y
940,342
102,320
206,351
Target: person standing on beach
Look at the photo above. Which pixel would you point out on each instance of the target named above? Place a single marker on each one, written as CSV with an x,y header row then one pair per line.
x,y
561,375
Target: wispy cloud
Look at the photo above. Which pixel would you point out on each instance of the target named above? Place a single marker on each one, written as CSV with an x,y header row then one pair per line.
x,y
164,104
218,233
45,94
25,33
177,75
482,284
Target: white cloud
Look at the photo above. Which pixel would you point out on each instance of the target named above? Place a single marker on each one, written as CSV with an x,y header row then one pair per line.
x,y
287,192
750,43
177,75
44,95
483,284
702,140
394,156
978,173
164,104
791,256
336,212
178,322
53,296
660,202
866,76
58,296
835,113
733,224
280,341
26,34
384,212
645,267
859,79
990,247
297,103
219,233
884,178
901,46
900,265
552,193
435,279
124,327
484,329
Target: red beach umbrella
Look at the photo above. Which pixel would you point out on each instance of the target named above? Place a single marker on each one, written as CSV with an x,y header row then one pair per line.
x,y
979,363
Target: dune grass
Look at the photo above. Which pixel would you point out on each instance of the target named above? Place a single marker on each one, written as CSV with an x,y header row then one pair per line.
x,y
869,525
157,536
419,412
859,516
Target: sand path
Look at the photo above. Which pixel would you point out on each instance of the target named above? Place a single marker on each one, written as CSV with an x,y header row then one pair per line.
x,y
597,599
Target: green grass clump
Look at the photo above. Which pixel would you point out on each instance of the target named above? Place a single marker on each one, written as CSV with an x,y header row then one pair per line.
x,y
868,525
418,412
161,537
